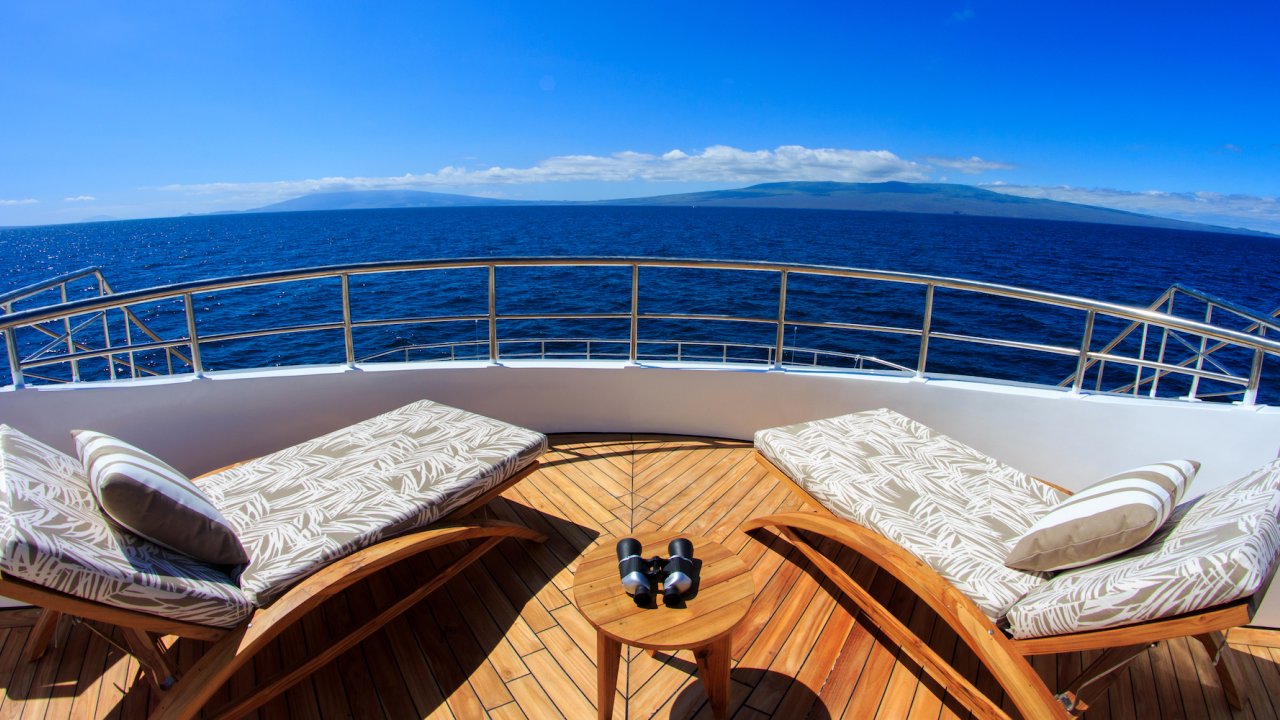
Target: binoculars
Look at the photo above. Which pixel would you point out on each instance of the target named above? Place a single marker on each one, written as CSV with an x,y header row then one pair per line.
x,y
641,576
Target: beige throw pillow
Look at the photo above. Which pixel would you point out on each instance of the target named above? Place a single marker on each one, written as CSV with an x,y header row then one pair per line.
x,y
1105,519
147,497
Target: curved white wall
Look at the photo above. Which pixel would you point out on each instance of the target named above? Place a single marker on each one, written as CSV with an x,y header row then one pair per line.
x,y
202,424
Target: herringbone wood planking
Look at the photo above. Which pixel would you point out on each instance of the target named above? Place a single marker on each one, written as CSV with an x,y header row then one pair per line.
x,y
503,639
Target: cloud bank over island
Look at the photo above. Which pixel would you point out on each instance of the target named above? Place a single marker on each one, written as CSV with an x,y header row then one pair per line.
x,y
631,173
724,165
1230,210
715,164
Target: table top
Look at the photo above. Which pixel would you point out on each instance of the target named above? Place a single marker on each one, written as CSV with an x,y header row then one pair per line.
x,y
724,592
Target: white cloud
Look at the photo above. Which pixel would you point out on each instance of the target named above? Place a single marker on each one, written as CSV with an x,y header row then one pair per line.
x,y
24,201
718,163
1236,210
79,198
970,166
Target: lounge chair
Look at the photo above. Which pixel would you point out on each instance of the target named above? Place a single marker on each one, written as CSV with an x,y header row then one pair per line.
x,y
312,520
943,519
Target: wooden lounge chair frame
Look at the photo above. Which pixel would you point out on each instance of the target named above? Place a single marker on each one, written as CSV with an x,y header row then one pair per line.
x,y
235,647
1003,656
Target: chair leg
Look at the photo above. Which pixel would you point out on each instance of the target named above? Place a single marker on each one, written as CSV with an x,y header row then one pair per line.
x,y
43,631
147,649
1224,662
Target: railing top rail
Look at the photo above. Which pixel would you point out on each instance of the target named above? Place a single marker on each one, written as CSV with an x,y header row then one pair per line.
x,y
36,315
23,293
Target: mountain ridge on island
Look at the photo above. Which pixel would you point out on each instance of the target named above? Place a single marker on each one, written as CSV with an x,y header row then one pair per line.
x,y
893,196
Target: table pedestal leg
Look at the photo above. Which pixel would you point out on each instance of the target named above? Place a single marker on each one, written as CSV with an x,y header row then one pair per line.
x,y
713,667
608,652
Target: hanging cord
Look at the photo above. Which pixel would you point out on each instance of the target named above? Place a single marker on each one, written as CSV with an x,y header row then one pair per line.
x,y
105,638
1071,700
162,683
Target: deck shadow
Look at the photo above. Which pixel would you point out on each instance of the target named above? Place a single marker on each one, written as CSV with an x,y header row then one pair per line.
x,y
630,446
903,604
796,701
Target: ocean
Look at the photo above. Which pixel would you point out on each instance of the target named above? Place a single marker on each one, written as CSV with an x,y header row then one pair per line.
x,y
1120,264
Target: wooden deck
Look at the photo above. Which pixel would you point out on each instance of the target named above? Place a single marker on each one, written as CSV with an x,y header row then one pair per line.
x,y
504,640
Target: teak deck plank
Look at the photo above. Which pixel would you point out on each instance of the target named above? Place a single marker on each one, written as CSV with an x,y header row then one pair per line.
x,y
504,640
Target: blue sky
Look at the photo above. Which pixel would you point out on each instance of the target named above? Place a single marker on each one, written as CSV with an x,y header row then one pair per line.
x,y
130,109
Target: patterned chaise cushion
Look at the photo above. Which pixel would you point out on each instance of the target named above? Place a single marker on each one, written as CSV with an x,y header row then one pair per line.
x,y
956,509
1217,548
1105,519
147,497
53,534
301,508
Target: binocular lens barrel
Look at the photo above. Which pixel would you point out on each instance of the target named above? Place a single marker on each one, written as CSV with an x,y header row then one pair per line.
x,y
634,570
679,569
681,547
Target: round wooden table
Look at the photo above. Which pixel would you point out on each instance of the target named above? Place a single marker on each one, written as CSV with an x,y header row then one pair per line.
x,y
704,622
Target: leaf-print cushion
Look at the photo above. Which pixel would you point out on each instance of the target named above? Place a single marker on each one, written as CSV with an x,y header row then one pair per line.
x,y
1219,547
303,507
53,534
956,509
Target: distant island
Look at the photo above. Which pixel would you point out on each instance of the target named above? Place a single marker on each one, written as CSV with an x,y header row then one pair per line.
x,y
928,198
381,199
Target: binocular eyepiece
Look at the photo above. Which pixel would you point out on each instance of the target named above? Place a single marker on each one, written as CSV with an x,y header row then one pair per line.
x,y
641,576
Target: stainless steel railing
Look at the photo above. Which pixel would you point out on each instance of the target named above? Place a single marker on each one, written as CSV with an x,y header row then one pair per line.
x,y
1210,338
100,288
586,348
1196,352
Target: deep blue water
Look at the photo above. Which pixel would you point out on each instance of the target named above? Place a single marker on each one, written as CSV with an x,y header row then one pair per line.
x,y
1121,264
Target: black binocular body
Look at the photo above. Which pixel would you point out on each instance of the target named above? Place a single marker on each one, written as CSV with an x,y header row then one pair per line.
x,y
641,576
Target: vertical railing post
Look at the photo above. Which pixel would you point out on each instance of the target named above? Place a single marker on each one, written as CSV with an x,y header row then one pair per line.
x,y
103,290
128,341
493,313
1142,355
1164,344
1085,343
926,326
197,366
71,343
15,362
781,338
1204,344
106,342
1255,379
348,340
633,351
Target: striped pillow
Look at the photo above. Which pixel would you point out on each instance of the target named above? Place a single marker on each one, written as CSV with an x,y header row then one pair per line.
x,y
1105,519
147,497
